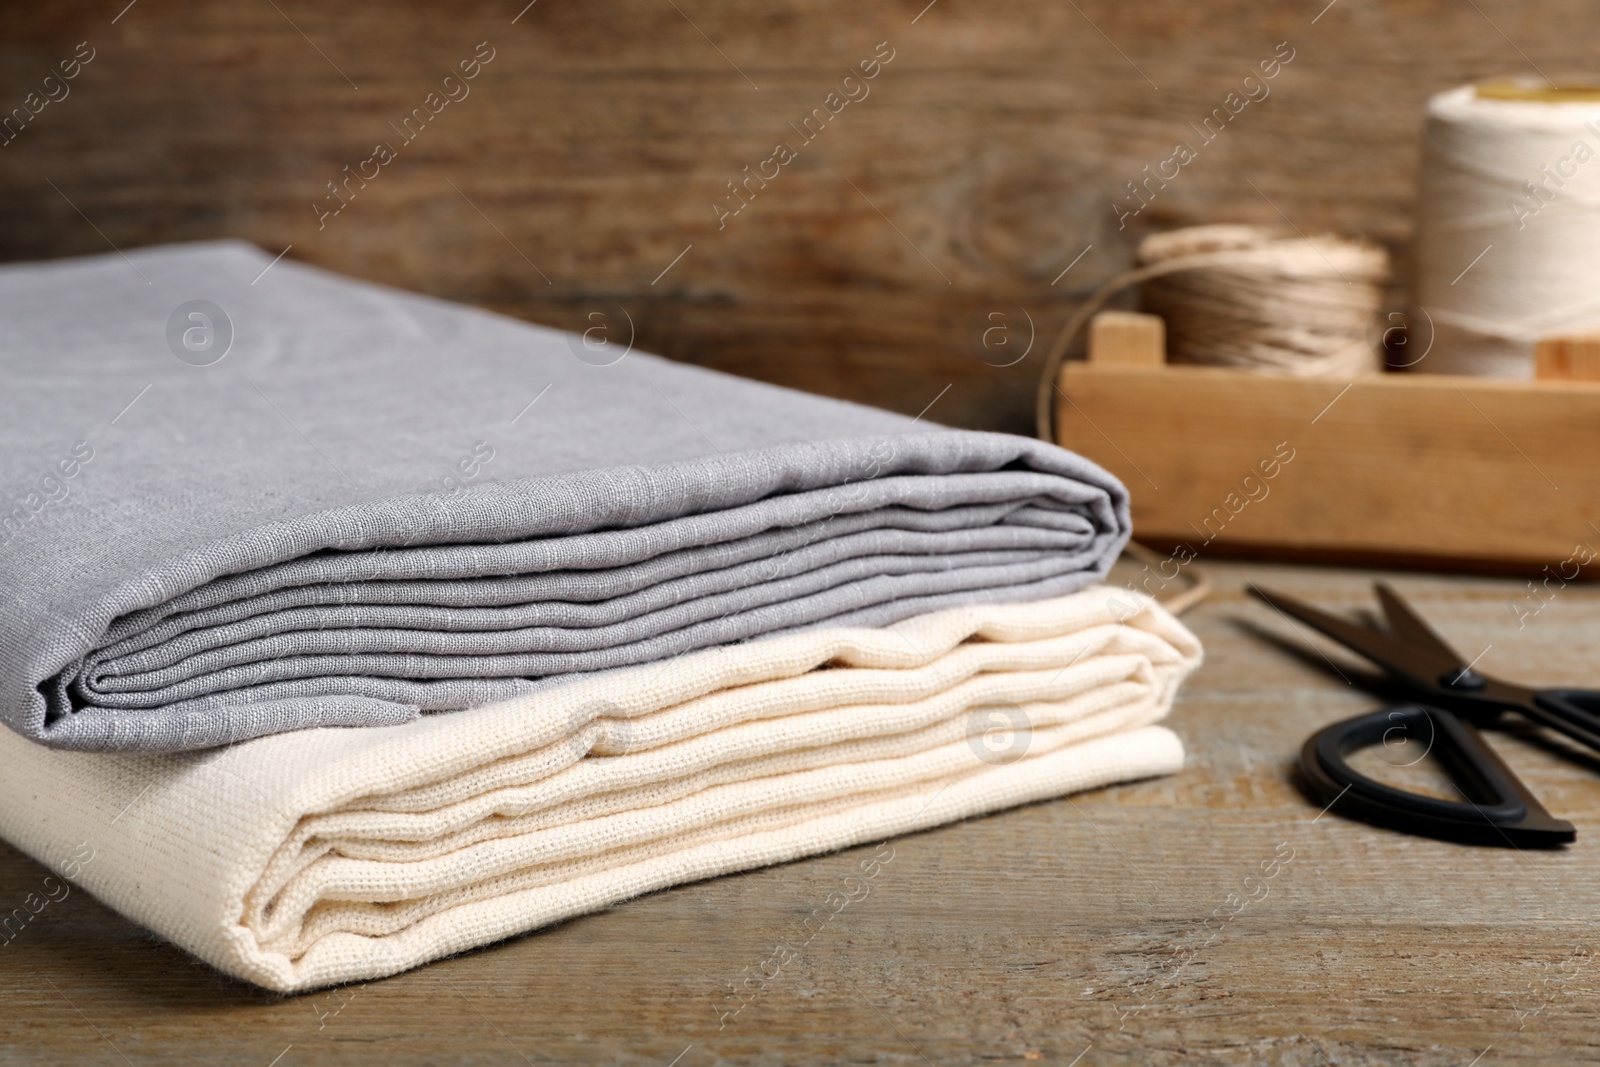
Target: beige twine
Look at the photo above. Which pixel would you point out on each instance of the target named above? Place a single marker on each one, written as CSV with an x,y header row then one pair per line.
x,y
1241,296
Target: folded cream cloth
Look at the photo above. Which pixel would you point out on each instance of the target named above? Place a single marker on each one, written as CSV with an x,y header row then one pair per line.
x,y
335,854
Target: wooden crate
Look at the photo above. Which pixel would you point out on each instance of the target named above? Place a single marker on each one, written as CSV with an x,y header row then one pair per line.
x,y
1397,468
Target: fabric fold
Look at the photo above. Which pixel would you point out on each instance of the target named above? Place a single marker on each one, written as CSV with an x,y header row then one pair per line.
x,y
368,505
330,855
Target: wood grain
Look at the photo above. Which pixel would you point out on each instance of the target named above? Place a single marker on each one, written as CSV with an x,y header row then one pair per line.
x,y
1026,936
1127,339
1567,358
984,162
1471,471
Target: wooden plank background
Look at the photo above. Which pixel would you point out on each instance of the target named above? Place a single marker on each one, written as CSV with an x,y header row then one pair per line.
x,y
593,146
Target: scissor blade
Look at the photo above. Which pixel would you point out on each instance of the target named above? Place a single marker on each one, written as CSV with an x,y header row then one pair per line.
x,y
1393,654
1408,625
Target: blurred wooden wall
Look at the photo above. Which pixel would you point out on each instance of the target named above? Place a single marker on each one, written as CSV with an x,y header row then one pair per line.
x,y
593,146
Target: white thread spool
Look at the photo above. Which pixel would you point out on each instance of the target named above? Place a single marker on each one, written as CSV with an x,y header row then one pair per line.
x,y
1302,306
1508,224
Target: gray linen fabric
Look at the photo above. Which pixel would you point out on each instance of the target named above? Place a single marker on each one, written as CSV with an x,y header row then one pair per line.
x,y
376,504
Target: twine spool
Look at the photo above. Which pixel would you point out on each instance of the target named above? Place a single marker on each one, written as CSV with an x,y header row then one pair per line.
x,y
1241,296
1286,305
1508,223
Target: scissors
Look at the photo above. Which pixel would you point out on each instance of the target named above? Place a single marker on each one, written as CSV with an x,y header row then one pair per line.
x,y
1453,700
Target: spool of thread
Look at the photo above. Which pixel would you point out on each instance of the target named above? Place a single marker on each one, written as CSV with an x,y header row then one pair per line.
x,y
1241,296
1508,223
1302,306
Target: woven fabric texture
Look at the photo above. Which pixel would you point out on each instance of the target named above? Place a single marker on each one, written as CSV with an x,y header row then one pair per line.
x,y
329,855
247,496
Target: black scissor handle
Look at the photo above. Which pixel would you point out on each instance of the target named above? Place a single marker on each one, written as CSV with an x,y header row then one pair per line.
x,y
1499,809
1576,711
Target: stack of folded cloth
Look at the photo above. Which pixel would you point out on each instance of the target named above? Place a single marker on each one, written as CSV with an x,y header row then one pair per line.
x,y
347,629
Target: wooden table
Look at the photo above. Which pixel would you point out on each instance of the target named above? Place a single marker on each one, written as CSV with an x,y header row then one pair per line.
x,y
1074,928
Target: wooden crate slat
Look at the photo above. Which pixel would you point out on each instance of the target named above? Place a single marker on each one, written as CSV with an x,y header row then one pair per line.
x,y
1398,466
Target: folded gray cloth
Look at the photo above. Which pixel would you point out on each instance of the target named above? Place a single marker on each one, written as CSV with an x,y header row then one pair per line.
x,y
243,497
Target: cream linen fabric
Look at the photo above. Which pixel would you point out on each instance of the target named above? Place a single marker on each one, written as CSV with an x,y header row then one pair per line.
x,y
329,855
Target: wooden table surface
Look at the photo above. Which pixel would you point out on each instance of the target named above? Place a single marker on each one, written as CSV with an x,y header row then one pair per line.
x,y
1067,931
